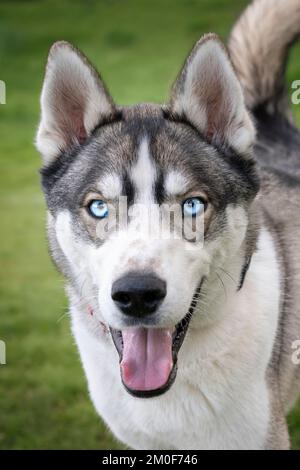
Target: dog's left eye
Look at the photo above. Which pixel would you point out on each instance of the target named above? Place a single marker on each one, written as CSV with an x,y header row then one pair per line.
x,y
98,209
193,206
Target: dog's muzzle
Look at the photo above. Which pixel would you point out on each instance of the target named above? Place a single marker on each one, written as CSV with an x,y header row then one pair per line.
x,y
148,355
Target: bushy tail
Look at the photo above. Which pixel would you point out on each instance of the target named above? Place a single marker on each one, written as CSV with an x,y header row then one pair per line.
x,y
259,45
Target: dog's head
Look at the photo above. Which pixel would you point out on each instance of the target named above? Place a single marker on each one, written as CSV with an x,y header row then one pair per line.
x,y
148,204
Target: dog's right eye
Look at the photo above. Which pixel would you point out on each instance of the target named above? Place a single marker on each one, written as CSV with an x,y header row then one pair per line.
x,y
193,206
98,209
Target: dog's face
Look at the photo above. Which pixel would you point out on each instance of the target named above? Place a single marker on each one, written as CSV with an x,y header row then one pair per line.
x,y
146,203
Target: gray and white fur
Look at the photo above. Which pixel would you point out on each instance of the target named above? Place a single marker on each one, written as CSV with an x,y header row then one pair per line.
x,y
226,135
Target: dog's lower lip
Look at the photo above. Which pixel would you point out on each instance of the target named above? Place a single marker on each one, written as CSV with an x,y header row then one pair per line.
x,y
177,337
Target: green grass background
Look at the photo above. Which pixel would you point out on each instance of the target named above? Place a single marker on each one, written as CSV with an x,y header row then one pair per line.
x,y
138,46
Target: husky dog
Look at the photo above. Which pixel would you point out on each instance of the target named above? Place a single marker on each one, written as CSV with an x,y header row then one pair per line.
x,y
186,344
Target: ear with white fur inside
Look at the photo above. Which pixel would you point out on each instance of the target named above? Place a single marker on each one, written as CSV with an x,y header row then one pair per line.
x,y
73,101
208,94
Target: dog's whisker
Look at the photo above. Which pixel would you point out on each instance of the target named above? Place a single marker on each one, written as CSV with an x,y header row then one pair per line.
x,y
222,283
229,275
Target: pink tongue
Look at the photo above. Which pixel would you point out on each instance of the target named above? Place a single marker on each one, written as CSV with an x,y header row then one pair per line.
x,y
147,357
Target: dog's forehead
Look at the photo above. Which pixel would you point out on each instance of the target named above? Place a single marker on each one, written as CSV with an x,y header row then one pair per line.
x,y
147,128
145,150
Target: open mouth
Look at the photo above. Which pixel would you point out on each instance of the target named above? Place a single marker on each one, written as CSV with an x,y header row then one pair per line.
x,y
148,356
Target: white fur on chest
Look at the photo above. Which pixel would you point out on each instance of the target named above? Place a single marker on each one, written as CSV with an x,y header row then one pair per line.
x,y
220,398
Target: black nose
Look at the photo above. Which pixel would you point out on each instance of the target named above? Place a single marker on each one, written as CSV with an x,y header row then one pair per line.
x,y
138,294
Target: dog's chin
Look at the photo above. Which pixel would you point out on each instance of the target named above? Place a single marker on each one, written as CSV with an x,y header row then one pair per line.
x,y
148,355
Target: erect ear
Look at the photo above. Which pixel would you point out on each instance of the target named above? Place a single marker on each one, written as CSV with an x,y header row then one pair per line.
x,y
73,101
208,94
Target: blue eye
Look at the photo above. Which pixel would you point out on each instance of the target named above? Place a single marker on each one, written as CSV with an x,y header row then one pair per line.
x,y
193,206
98,208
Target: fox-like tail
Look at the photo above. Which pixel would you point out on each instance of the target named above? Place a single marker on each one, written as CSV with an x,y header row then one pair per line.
x,y
259,45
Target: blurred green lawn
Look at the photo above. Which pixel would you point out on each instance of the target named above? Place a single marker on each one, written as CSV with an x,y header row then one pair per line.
x,y
138,46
